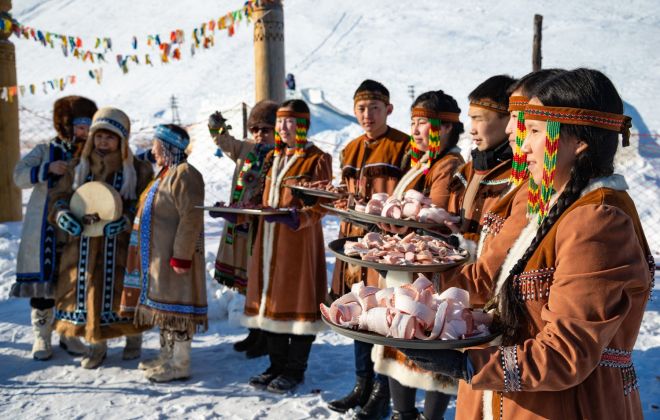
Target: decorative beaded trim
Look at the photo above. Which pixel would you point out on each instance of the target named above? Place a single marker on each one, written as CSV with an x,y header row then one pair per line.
x,y
494,181
621,359
535,284
461,178
652,270
492,223
510,368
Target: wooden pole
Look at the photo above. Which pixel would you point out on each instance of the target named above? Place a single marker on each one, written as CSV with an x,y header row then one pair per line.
x,y
536,51
269,70
245,115
11,204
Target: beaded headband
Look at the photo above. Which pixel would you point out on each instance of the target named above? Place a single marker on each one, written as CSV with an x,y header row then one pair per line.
x,y
490,105
171,137
518,103
284,113
442,116
302,124
367,95
579,116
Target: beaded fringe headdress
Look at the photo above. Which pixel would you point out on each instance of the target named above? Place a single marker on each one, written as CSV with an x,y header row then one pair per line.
x,y
302,124
555,116
435,120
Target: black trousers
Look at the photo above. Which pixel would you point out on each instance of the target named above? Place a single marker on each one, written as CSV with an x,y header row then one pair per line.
x,y
289,353
403,399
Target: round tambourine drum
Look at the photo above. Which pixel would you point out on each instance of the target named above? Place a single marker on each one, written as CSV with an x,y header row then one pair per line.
x,y
96,204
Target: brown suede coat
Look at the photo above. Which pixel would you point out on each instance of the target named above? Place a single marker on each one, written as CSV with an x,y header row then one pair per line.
x,y
584,289
171,300
87,297
287,278
368,167
491,187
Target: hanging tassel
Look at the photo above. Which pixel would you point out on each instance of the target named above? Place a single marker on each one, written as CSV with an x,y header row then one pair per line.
x,y
279,144
549,167
301,135
519,164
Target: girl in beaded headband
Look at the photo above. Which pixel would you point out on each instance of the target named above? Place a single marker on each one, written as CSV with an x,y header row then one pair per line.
x,y
293,120
516,131
565,107
435,127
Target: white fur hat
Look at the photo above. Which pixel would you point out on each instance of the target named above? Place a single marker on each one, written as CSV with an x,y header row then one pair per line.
x,y
117,122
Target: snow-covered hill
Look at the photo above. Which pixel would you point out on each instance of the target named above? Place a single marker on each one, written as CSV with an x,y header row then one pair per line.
x,y
330,47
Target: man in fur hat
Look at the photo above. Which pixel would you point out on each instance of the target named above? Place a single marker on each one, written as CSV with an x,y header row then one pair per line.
x,y
248,154
37,259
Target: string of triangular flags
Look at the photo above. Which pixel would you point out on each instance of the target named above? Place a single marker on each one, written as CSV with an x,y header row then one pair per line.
x,y
168,49
9,93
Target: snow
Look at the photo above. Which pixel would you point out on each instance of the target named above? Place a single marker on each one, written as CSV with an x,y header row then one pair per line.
x,y
331,47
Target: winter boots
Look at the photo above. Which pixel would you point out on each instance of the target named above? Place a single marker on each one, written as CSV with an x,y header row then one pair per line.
x,y
73,345
378,404
358,396
178,366
42,325
405,415
133,347
166,349
95,355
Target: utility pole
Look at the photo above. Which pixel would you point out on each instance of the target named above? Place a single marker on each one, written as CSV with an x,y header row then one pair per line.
x,y
11,202
269,69
175,110
536,48
411,92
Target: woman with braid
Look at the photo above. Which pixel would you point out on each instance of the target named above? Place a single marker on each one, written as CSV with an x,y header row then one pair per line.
x,y
572,291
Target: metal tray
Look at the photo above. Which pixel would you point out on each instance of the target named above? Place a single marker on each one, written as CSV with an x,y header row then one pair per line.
x,y
337,248
343,214
251,212
315,192
373,338
376,218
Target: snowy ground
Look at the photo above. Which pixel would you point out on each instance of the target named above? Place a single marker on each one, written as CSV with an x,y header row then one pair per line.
x,y
333,46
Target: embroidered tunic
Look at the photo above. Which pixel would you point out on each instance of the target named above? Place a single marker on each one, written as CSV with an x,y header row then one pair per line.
x,y
233,250
475,192
585,289
91,270
36,264
172,233
368,167
287,272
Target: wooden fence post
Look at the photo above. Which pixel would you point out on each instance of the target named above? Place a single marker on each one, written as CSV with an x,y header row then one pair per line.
x,y
536,52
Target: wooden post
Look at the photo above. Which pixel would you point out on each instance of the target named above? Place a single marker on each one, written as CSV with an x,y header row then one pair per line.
x,y
11,203
269,71
536,51
245,115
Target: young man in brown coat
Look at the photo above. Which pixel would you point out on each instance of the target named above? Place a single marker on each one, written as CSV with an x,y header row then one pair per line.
x,y
371,163
481,182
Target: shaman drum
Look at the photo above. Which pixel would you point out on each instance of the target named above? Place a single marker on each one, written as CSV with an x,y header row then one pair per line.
x,y
96,204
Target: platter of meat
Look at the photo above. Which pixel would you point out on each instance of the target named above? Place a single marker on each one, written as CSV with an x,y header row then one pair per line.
x,y
249,209
410,316
320,189
412,252
414,210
